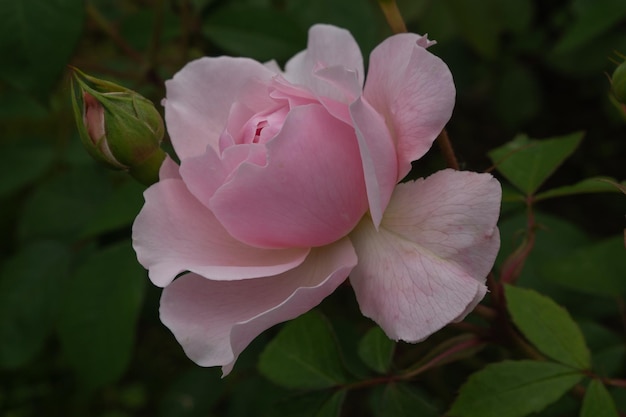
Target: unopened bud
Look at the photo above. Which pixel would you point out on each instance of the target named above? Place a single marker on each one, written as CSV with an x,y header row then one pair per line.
x,y
118,126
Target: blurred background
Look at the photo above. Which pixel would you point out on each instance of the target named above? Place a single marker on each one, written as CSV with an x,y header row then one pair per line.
x,y
79,328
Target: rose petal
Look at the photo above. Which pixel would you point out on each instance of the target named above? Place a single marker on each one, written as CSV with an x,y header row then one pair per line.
x,y
204,174
169,169
413,89
214,321
328,46
378,154
428,261
199,98
174,233
311,192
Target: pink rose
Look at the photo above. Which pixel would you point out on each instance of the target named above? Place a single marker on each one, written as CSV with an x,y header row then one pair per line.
x,y
287,184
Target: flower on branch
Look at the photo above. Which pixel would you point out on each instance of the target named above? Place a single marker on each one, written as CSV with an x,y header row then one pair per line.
x,y
288,184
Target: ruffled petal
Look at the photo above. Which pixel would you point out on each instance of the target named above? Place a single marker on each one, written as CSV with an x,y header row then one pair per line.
x,y
175,233
328,46
310,193
200,96
204,174
427,263
214,321
378,155
413,89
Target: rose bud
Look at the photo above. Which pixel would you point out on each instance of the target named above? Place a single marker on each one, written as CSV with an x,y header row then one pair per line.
x,y
118,126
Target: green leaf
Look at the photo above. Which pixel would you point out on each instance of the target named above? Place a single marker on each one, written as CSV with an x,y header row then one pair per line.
x,y
597,269
332,407
23,163
479,24
376,350
119,211
311,404
598,402
594,17
362,19
548,326
194,394
304,355
403,400
527,163
100,309
590,185
253,396
39,37
30,284
513,389
62,205
258,33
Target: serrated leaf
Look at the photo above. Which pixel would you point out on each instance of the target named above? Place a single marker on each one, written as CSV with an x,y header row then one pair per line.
x,y
548,326
61,206
100,309
258,33
527,163
118,211
588,186
597,269
513,389
310,404
361,18
598,402
304,354
39,37
376,350
478,23
593,17
332,406
30,284
403,400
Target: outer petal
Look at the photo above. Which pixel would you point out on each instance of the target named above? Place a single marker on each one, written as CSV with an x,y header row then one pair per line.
x,y
214,321
328,46
199,98
427,263
311,192
413,89
174,233
378,155
169,169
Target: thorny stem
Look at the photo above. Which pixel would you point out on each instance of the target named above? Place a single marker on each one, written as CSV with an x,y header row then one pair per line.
x,y
447,151
485,312
393,16
434,361
621,383
409,375
107,28
514,264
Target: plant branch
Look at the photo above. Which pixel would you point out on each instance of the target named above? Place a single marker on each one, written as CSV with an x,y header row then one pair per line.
x,y
112,32
445,146
393,16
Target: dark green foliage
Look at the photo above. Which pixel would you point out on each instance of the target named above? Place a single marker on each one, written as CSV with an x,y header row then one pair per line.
x,y
79,328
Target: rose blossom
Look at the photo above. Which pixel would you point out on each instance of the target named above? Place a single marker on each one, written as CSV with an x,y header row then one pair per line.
x,y
288,183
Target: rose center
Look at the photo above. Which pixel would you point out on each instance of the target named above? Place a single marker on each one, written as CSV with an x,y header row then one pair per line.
x,y
263,126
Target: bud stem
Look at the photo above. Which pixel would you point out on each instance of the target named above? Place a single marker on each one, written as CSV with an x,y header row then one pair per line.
x,y
147,172
393,16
